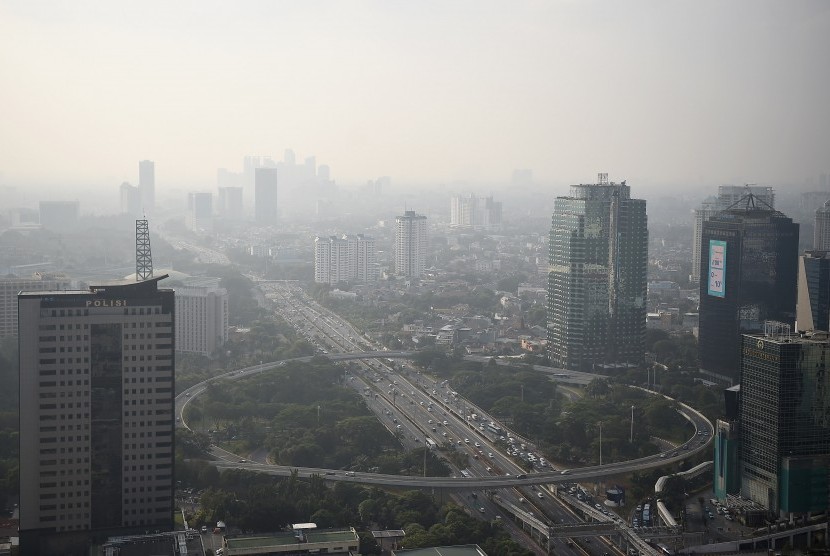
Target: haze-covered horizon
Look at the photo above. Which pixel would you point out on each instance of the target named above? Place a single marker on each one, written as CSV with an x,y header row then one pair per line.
x,y
659,94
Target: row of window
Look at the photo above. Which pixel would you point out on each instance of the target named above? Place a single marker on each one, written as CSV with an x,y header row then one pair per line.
x,y
66,416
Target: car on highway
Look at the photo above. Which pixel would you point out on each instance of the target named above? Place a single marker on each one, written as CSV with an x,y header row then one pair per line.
x,y
466,441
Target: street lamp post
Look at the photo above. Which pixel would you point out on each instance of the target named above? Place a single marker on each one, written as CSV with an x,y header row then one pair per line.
x,y
631,440
600,442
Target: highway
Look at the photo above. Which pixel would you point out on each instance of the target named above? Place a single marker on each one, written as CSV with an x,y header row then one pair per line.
x,y
415,408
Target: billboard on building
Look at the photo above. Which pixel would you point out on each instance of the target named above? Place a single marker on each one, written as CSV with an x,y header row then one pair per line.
x,y
717,268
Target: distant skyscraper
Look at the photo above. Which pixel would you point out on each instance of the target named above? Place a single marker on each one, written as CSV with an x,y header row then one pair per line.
x,y
147,185
411,243
200,211
821,230
784,421
230,203
59,215
96,415
201,315
597,277
748,268
474,212
702,214
265,196
813,306
130,197
727,195
11,285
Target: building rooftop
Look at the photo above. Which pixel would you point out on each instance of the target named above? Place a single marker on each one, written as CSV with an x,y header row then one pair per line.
x,y
460,550
288,538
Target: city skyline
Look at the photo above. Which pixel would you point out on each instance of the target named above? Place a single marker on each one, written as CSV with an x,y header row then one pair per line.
x,y
701,93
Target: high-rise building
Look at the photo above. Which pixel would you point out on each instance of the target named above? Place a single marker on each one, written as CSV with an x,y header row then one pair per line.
x,y
597,277
784,420
147,185
352,258
702,214
230,203
411,242
367,269
812,310
727,196
59,215
821,230
265,196
11,285
200,211
130,197
748,268
731,194
96,414
201,315
474,212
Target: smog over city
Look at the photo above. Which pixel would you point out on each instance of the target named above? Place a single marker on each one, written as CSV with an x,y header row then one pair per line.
x,y
537,277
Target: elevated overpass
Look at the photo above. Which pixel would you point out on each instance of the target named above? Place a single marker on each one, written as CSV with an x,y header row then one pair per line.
x,y
227,460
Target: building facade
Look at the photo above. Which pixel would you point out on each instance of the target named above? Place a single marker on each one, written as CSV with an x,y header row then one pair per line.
x,y
597,278
265,196
11,285
147,185
727,196
748,268
96,414
351,258
784,412
201,315
411,244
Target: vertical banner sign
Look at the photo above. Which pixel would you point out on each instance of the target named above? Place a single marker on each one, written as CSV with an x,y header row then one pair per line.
x,y
717,268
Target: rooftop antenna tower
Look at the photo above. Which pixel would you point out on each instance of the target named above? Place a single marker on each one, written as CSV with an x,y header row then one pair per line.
x,y
143,256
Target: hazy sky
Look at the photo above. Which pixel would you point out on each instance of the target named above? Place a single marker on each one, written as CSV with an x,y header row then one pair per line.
x,y
434,91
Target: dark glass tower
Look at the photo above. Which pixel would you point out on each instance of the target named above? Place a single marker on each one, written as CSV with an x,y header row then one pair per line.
x,y
748,263
597,278
784,421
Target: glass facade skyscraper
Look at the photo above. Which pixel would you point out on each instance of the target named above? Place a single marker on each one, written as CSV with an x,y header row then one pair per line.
x,y
748,265
784,421
597,278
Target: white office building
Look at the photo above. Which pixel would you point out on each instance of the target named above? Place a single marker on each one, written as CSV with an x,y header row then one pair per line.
x,y
411,243
351,258
11,285
201,315
474,212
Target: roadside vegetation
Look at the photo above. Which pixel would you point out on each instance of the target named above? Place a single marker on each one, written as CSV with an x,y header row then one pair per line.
x,y
252,502
304,416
